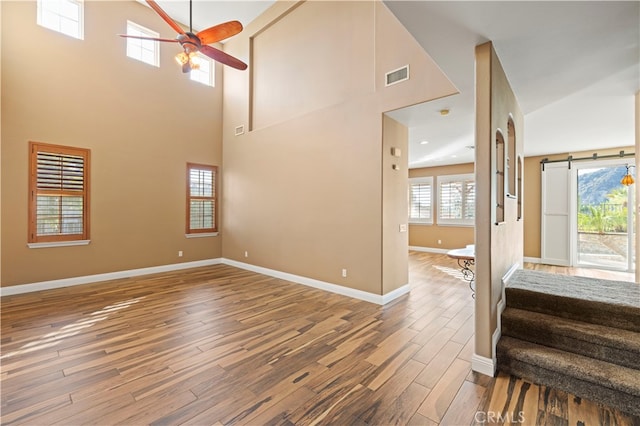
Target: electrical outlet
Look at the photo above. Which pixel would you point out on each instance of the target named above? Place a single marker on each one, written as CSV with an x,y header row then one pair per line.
x,y
344,273
180,253
439,241
246,254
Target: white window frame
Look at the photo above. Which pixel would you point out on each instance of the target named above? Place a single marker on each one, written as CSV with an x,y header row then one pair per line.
x,y
57,17
199,75
463,178
136,46
421,181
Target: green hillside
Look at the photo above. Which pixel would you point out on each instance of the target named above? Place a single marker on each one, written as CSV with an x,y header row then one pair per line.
x,y
594,186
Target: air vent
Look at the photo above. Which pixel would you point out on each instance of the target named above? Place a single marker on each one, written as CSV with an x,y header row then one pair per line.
x,y
396,76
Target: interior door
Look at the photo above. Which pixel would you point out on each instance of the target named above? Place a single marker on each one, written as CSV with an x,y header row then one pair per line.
x,y
556,217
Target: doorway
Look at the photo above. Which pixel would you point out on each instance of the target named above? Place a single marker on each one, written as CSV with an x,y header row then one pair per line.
x,y
604,231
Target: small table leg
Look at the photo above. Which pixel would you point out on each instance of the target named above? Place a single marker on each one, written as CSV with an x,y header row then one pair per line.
x,y
468,274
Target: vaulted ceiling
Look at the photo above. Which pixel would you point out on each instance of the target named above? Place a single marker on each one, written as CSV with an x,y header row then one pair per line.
x,y
574,67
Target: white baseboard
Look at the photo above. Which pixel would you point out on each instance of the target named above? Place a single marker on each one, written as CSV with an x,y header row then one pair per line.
x,y
393,295
507,275
322,285
483,365
532,259
88,279
429,249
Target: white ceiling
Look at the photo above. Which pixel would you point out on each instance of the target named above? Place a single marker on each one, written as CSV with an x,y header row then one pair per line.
x,y
573,65
207,13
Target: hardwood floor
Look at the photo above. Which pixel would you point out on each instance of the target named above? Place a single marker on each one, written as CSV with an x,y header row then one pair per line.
x,y
219,345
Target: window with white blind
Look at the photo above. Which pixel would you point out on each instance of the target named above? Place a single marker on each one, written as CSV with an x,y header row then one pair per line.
x,y
421,200
63,16
147,51
205,71
58,193
201,199
456,200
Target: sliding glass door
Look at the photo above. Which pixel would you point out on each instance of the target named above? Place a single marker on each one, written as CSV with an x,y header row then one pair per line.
x,y
605,221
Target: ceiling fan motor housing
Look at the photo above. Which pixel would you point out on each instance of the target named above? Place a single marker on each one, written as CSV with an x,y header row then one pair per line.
x,y
189,42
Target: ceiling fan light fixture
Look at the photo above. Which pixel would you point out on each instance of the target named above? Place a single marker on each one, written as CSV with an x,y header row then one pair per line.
x,y
182,58
191,59
194,61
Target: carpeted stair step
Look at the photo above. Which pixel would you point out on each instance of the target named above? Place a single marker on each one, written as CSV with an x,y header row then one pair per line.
x,y
604,302
609,344
592,379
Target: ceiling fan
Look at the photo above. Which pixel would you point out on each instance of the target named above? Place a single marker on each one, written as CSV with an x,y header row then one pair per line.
x,y
199,42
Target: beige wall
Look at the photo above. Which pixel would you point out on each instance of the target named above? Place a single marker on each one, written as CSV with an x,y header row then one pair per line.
x,y
303,190
533,200
498,246
395,253
450,236
0,147
142,124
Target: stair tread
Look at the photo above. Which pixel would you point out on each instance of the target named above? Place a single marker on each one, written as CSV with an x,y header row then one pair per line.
x,y
588,332
603,373
604,302
620,293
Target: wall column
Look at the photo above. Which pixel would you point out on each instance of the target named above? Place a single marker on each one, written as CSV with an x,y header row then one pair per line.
x,y
637,201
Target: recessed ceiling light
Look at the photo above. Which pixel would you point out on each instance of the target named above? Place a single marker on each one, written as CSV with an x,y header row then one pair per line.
x,y
454,156
444,111
424,142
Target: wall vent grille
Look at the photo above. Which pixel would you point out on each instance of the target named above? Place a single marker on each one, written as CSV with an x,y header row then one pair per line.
x,y
397,76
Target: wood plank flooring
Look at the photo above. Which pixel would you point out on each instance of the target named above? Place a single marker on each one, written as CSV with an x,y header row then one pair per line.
x,y
219,345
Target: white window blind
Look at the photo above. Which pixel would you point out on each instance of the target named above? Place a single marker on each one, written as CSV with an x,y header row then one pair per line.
x,y
456,200
421,200
63,16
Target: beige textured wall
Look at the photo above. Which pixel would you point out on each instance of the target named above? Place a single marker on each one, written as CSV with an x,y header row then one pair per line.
x,y
450,236
498,246
395,253
142,124
532,201
0,145
303,189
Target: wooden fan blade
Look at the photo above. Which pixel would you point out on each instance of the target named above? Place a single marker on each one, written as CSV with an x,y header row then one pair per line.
x,y
223,58
164,16
170,40
219,32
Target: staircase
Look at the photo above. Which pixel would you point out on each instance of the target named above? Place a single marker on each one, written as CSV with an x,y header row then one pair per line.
x,y
578,334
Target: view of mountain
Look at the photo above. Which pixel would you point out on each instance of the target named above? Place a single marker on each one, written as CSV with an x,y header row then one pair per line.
x,y
595,185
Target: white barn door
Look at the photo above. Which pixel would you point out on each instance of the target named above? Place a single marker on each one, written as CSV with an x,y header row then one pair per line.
x,y
556,214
